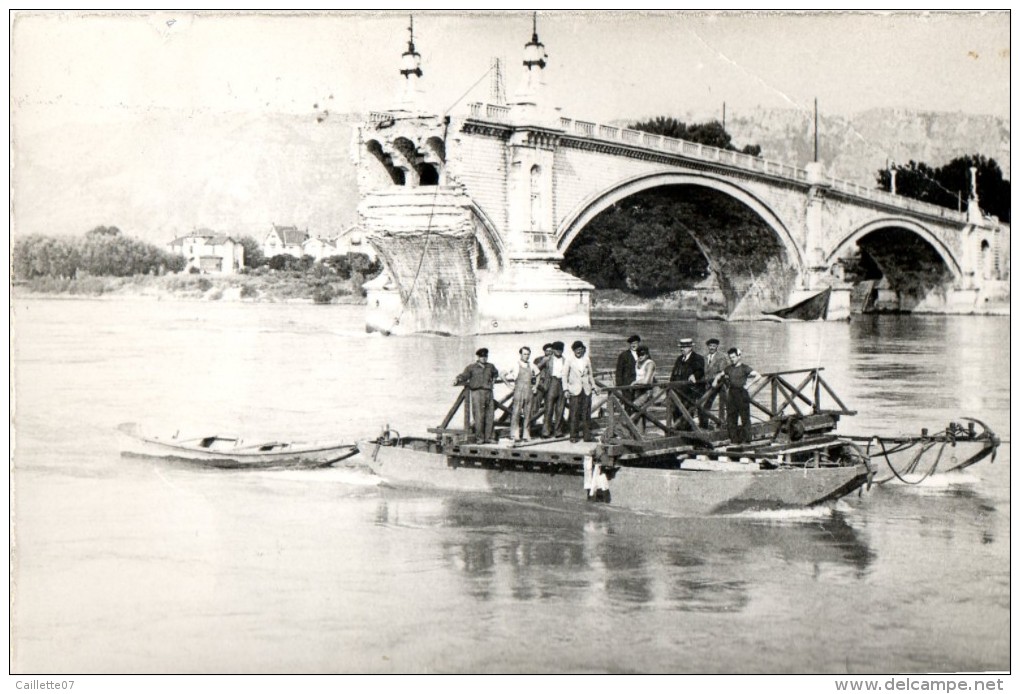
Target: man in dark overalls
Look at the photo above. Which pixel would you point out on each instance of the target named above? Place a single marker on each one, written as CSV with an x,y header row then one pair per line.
x,y
735,380
479,378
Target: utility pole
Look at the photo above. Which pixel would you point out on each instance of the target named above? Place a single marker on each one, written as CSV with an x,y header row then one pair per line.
x,y
497,86
724,116
816,129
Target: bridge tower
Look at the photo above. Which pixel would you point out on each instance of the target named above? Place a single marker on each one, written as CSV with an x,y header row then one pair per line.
x,y
456,263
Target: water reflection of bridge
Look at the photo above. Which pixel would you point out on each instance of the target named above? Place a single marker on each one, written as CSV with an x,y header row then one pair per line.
x,y
472,213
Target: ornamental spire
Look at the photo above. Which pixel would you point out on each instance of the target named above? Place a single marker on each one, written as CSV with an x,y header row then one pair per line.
x,y
410,60
534,51
410,97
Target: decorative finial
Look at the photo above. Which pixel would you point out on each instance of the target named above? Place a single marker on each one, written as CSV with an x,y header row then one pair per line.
x,y
534,51
410,59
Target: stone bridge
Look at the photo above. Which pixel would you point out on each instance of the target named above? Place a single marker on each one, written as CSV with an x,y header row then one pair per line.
x,y
473,212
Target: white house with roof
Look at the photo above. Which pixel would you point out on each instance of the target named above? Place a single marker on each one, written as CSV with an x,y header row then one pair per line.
x,y
352,240
284,240
319,248
209,251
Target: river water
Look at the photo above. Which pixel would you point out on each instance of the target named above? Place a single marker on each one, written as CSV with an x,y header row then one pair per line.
x,y
124,565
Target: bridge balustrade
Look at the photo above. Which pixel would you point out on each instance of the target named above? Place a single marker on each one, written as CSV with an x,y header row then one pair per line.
x,y
651,140
497,111
609,132
501,114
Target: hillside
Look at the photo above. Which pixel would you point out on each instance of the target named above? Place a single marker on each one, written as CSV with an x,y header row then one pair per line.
x,y
167,173
161,173
857,147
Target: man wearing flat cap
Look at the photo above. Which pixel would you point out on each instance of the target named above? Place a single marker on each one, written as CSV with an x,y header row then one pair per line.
x,y
689,370
626,363
715,363
478,378
555,398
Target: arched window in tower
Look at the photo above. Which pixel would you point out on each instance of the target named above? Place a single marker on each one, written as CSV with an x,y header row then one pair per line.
x,y
986,260
429,175
536,198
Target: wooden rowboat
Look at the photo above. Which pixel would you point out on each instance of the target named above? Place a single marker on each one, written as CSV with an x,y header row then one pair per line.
x,y
229,452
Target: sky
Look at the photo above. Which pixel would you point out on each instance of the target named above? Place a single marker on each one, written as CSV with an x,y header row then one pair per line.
x,y
602,66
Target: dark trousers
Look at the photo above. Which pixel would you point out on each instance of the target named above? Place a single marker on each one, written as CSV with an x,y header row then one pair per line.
x,y
689,395
580,415
722,403
482,410
555,401
738,407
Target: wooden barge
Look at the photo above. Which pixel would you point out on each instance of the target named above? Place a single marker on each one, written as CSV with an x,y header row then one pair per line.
x,y
653,456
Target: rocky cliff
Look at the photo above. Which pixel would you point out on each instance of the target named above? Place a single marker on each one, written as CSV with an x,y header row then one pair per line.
x,y
855,148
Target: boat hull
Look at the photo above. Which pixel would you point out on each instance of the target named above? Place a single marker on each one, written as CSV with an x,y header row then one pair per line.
x,y
276,455
905,466
673,492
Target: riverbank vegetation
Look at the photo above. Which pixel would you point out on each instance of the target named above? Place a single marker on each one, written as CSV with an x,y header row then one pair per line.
x,y
105,263
103,251
949,185
657,243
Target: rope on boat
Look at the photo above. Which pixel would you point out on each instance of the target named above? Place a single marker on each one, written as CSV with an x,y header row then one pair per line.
x,y
927,446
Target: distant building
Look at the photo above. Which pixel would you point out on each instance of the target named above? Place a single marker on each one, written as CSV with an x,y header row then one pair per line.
x,y
352,240
209,251
283,239
319,248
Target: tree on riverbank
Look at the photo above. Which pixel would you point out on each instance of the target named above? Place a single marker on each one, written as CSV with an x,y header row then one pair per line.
x,y
253,256
98,253
646,243
949,185
712,133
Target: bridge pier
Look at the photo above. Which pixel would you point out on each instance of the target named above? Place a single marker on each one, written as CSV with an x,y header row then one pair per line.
x,y
533,294
444,274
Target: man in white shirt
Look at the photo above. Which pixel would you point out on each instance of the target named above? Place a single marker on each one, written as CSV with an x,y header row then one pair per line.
x,y
523,378
579,382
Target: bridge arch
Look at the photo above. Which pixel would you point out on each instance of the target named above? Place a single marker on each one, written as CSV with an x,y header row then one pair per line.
x,y
488,238
578,218
946,253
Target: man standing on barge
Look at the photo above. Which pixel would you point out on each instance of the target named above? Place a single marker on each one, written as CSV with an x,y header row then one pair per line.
x,y
555,400
479,378
689,370
626,363
523,379
738,401
715,363
579,382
